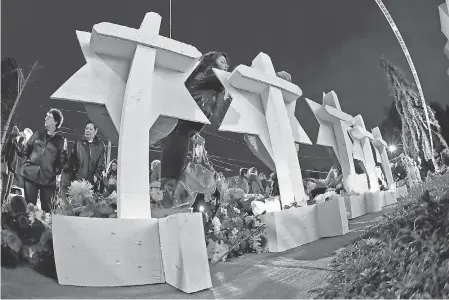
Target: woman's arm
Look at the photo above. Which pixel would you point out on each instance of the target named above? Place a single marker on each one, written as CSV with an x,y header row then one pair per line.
x,y
24,151
62,156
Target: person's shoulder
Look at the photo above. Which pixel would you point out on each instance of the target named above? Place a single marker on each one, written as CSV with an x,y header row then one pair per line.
x,y
99,142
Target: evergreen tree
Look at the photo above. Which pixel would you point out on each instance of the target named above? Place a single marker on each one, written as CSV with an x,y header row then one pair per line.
x,y
414,129
442,115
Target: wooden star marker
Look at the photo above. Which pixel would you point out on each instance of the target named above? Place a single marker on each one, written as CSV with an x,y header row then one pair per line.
x,y
333,132
263,105
362,138
139,77
380,147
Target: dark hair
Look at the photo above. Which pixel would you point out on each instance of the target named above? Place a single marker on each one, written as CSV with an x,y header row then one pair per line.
x,y
243,171
109,170
90,122
57,116
337,167
207,61
253,170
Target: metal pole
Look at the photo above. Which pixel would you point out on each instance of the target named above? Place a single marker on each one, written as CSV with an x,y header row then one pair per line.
x,y
170,18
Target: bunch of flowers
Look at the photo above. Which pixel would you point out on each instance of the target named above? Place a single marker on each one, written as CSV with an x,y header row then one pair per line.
x,y
26,236
235,229
82,202
27,230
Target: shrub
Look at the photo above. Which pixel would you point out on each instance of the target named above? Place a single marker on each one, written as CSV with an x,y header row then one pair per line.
x,y
405,255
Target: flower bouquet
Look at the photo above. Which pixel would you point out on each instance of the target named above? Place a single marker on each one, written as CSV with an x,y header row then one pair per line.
x,y
235,230
26,236
82,202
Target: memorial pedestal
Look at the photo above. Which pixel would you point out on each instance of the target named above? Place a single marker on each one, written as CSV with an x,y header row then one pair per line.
x,y
294,227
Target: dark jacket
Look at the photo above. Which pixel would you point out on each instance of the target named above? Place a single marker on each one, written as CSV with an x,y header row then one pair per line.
x,y
275,187
44,157
87,159
255,184
208,92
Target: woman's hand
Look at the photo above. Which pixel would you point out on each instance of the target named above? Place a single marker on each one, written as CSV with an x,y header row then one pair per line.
x,y
284,75
15,131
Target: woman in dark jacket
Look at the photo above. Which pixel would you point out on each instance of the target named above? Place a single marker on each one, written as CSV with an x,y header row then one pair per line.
x,y
205,89
45,154
88,156
110,179
208,92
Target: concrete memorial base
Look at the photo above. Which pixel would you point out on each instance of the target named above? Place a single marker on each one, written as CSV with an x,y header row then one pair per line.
x,y
294,227
359,205
355,206
401,191
126,252
374,201
390,197
184,252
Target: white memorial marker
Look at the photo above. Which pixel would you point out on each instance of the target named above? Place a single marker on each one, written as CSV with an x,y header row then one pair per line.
x,y
362,139
380,147
138,76
263,105
333,132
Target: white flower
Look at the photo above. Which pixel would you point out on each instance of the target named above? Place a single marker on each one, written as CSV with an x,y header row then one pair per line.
x,y
257,207
330,195
320,199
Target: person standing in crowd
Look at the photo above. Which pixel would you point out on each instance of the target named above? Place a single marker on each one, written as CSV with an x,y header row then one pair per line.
x,y
241,181
254,182
274,190
155,171
45,154
110,179
208,92
87,160
264,180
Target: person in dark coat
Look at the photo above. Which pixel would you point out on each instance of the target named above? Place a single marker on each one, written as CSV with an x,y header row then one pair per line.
x,y
110,178
87,160
254,182
208,92
45,154
274,185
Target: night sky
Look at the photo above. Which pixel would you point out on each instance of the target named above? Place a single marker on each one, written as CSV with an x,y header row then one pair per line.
x,y
324,45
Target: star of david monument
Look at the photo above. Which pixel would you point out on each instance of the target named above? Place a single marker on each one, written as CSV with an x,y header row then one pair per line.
x,y
362,144
334,132
134,77
264,105
132,86
380,147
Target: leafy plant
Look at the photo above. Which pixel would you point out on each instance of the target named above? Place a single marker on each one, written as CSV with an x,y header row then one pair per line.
x,y
405,255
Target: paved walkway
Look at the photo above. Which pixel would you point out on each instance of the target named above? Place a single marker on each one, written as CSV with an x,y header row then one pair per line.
x,y
291,274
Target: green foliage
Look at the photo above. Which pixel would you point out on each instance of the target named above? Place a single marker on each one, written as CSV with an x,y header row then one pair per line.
x,y
406,255
415,131
233,227
399,170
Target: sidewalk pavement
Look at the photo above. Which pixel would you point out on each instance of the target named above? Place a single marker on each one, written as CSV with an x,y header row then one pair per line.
x,y
290,274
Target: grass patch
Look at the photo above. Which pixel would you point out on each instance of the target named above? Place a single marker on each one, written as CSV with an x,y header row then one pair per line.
x,y
405,255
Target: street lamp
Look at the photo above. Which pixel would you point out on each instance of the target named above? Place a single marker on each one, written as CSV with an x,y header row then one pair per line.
x,y
392,148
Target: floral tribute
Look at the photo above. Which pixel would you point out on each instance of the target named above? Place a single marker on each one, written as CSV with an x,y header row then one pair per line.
x,y
27,230
236,227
